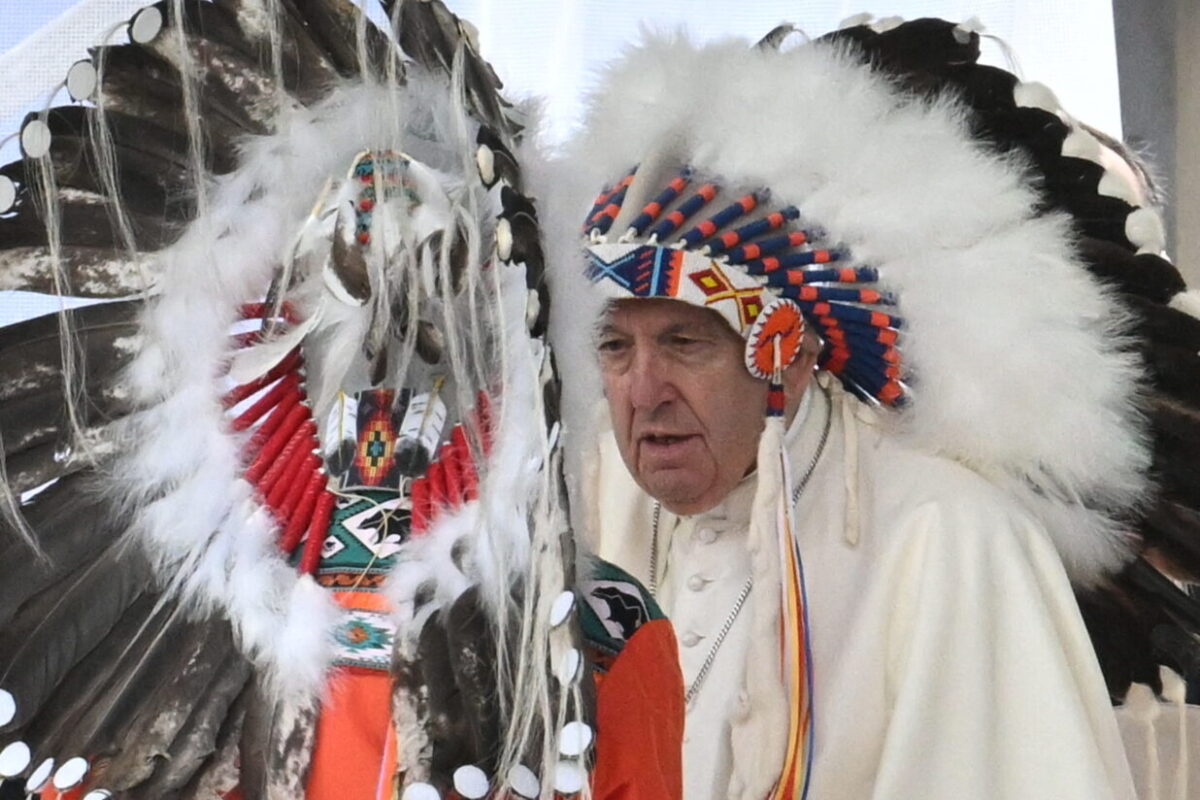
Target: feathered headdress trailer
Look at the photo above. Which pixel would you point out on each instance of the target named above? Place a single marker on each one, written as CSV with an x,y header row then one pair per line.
x,y
296,481
314,413
980,268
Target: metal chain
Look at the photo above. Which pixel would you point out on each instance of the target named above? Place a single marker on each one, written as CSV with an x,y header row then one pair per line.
x,y
654,551
694,689
812,465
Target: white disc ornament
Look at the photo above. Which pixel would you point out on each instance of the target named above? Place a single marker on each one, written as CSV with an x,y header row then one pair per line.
x,y
420,791
568,777
70,774
561,608
8,703
98,794
82,80
522,781
146,25
35,138
575,739
8,198
471,782
568,666
14,759
485,160
504,239
40,776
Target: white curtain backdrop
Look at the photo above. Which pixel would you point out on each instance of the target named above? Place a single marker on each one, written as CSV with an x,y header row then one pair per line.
x,y
551,48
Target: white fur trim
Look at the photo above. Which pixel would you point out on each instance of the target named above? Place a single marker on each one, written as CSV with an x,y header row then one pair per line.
x,y
1012,347
425,565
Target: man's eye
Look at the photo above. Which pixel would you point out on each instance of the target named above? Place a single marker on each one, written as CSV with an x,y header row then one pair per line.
x,y
611,346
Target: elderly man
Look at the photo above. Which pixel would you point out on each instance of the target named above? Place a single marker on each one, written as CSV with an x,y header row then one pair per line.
x,y
859,562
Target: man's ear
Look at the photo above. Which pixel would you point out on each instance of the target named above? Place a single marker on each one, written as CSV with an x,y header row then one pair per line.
x,y
797,374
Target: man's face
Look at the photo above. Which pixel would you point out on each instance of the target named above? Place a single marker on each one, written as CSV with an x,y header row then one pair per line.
x,y
686,413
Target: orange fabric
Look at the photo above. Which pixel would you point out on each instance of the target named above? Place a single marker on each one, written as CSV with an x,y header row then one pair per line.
x,y
639,720
352,738
363,601
354,754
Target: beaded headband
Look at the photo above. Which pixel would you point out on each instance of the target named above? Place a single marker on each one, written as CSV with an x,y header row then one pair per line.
x,y
762,270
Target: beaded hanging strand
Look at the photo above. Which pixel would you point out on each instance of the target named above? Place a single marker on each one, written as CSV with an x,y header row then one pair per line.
x,y
743,595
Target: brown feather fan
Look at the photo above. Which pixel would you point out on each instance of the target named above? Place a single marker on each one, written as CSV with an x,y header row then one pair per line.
x,y
98,658
1143,616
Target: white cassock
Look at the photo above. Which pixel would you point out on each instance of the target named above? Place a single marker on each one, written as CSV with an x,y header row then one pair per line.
x,y
949,658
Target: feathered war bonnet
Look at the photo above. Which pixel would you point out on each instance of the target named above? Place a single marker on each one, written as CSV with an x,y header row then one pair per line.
x,y
933,255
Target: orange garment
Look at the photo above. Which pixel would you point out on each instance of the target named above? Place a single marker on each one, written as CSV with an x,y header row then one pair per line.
x,y
639,727
639,720
350,758
354,754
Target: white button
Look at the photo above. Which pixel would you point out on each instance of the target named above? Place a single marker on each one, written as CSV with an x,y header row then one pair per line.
x,y
696,583
706,535
690,639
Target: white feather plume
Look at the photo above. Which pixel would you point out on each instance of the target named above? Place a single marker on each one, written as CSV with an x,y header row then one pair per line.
x,y
1013,350
197,518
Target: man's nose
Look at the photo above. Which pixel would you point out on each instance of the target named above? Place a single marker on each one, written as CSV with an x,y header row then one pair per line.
x,y
649,381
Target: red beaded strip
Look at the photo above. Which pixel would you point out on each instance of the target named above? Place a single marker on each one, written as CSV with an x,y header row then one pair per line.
x,y
452,480
281,450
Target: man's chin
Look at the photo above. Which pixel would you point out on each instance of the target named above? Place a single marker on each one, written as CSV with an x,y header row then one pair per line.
x,y
678,492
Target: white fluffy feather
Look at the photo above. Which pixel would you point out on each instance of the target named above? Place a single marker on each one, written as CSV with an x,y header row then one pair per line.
x,y
196,517
1013,350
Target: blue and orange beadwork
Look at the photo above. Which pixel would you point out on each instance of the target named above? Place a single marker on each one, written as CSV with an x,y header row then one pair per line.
x,y
390,166
738,262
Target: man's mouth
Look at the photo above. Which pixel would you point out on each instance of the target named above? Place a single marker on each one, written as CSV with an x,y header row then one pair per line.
x,y
666,438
